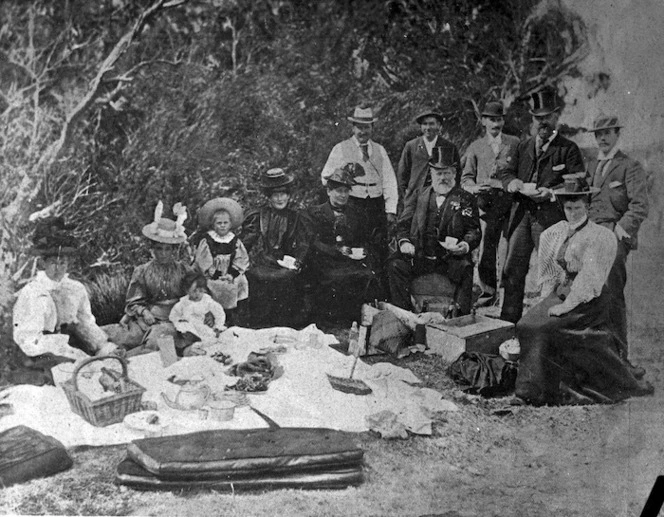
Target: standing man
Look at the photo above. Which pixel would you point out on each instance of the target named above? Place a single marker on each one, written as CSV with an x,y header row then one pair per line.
x,y
537,168
482,163
413,170
441,212
374,195
621,205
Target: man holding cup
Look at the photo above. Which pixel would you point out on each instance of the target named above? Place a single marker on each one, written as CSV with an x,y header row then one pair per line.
x,y
436,232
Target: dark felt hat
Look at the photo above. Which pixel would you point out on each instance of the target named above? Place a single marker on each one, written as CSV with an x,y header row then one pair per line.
x,y
53,237
341,176
544,102
574,185
605,122
429,113
276,179
442,157
493,109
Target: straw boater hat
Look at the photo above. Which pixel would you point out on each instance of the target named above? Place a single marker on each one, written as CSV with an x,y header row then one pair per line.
x,y
166,230
362,116
544,102
493,109
207,211
429,113
442,158
340,177
275,179
575,185
52,237
605,122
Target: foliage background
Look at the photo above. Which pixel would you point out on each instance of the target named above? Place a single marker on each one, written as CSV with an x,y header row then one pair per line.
x,y
213,92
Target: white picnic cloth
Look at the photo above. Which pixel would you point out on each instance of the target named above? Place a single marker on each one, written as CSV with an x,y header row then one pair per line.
x,y
301,397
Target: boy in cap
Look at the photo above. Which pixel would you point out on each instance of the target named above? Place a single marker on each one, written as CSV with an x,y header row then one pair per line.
x,y
413,169
538,167
342,258
436,232
620,205
482,163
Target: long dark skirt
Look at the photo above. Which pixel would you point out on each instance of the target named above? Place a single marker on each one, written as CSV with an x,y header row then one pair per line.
x,y
276,297
573,358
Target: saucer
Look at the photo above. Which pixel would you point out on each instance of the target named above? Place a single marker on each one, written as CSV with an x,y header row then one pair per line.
x,y
285,265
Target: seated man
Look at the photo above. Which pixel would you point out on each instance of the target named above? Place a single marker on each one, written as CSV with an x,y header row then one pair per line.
x,y
274,234
341,263
154,288
52,303
442,210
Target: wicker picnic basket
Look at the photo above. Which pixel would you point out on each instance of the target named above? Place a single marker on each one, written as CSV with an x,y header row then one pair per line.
x,y
108,410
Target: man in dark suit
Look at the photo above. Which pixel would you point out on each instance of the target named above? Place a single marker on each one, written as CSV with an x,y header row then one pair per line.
x,y
482,163
621,205
441,210
539,166
413,170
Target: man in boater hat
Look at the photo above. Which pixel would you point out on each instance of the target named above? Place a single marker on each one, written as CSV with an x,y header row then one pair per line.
x,y
538,167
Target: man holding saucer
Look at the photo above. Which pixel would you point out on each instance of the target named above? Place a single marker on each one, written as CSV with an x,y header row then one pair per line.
x,y
436,232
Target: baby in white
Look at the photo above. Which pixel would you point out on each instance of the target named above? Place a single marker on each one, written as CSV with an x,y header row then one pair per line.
x,y
192,313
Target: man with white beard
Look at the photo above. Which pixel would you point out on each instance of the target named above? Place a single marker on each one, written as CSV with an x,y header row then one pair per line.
x,y
436,232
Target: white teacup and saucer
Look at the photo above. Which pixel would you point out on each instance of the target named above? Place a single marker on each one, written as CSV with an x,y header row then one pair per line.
x,y
288,262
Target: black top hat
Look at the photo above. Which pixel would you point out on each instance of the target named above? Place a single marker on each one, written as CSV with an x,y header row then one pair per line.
x,y
442,157
574,185
276,178
493,109
544,102
429,113
52,237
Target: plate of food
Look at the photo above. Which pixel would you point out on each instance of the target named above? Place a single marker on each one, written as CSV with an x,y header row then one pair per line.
x,y
151,423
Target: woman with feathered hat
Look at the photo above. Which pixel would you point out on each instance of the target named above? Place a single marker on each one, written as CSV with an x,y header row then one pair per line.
x,y
155,287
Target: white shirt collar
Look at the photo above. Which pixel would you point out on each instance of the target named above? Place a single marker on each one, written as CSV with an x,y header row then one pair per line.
x,y
495,140
576,225
357,142
610,156
440,199
546,144
49,284
430,145
224,240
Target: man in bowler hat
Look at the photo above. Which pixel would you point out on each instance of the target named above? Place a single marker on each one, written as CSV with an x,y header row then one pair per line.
x,y
482,163
538,167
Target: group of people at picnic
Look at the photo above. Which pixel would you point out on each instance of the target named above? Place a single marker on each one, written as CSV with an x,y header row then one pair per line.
x,y
377,233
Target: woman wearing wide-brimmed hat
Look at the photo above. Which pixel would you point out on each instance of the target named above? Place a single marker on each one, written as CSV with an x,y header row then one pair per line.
x,y
52,313
220,254
155,287
568,353
278,242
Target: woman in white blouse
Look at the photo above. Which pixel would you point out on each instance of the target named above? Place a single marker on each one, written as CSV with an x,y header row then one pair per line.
x,y
568,354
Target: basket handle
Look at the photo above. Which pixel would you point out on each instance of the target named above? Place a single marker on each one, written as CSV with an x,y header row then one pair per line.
x,y
86,362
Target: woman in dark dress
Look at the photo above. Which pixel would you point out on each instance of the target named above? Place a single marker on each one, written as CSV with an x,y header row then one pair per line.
x,y
277,239
568,353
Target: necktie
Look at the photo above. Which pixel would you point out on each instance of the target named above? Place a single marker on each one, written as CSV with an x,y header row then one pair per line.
x,y
600,172
560,257
365,152
539,147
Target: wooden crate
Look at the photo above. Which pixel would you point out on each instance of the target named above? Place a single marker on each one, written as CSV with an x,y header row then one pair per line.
x,y
472,333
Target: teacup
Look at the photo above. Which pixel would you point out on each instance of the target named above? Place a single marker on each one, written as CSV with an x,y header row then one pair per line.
x,y
529,187
289,262
357,252
221,410
451,241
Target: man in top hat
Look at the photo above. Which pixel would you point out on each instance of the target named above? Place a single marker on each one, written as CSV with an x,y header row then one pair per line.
x,y
52,314
482,164
374,194
620,205
538,168
278,241
413,169
436,232
342,258
154,288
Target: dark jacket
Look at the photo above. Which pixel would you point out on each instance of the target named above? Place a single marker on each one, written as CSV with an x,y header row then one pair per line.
x,y
561,157
623,195
459,219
